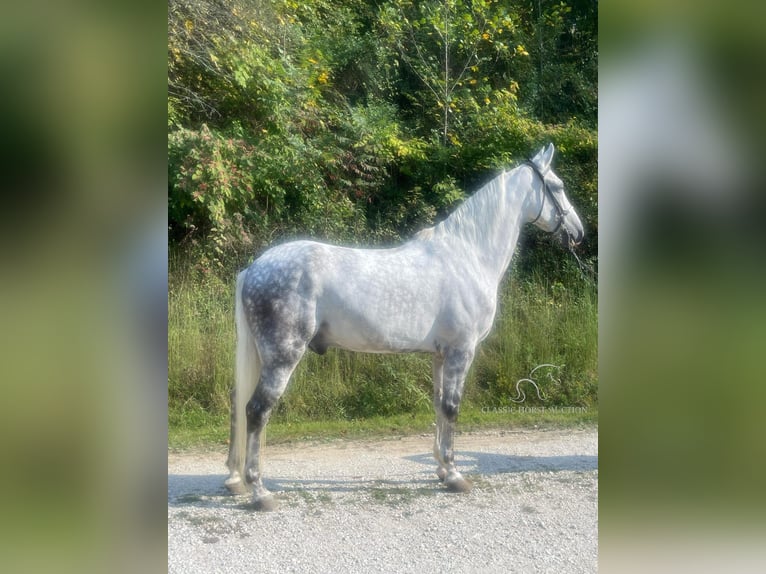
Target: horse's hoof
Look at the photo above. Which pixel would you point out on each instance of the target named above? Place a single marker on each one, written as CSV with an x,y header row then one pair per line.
x,y
457,484
265,503
237,486
441,472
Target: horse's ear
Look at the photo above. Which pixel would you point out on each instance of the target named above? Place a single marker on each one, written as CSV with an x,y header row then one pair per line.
x,y
546,156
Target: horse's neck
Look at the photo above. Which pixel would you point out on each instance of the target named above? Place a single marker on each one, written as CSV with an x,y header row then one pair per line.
x,y
486,227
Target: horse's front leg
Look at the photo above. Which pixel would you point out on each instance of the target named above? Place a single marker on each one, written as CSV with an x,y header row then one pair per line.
x,y
456,363
438,372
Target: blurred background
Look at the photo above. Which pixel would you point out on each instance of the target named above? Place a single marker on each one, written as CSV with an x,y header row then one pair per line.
x,y
83,286
682,309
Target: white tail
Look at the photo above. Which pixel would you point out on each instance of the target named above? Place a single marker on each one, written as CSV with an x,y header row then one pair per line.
x,y
247,375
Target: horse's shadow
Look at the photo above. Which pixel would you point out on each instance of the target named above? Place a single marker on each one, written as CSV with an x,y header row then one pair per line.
x,y
208,490
487,463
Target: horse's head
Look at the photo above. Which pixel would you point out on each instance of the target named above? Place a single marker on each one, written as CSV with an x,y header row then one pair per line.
x,y
555,213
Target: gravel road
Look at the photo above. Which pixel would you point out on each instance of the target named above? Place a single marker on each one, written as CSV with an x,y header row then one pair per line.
x,y
376,506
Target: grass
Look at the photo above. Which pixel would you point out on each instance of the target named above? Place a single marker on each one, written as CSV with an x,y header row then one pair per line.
x,y
201,340
539,323
206,431
357,395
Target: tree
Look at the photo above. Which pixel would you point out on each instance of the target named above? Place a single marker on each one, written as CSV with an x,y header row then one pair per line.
x,y
564,48
450,46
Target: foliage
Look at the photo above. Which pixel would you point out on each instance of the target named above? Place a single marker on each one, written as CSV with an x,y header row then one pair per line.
x,y
452,47
362,122
212,188
564,50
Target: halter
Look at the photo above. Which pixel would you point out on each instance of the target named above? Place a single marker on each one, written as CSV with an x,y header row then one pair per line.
x,y
560,211
585,269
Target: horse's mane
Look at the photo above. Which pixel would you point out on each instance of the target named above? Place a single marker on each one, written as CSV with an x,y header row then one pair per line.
x,y
424,234
475,218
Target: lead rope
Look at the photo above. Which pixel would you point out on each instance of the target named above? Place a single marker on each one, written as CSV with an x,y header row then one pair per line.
x,y
587,271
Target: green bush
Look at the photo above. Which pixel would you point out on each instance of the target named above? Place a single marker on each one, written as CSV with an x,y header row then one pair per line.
x,y
212,189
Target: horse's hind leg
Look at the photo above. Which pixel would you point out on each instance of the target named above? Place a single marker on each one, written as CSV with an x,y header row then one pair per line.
x,y
273,381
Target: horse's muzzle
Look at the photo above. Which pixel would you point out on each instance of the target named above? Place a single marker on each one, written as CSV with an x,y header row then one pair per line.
x,y
570,239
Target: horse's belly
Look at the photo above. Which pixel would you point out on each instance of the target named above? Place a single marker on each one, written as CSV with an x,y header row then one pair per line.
x,y
374,330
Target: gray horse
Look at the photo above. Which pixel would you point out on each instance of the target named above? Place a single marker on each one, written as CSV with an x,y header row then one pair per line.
x,y
436,293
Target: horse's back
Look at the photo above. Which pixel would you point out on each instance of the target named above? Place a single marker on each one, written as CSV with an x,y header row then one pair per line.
x,y
378,300
335,267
